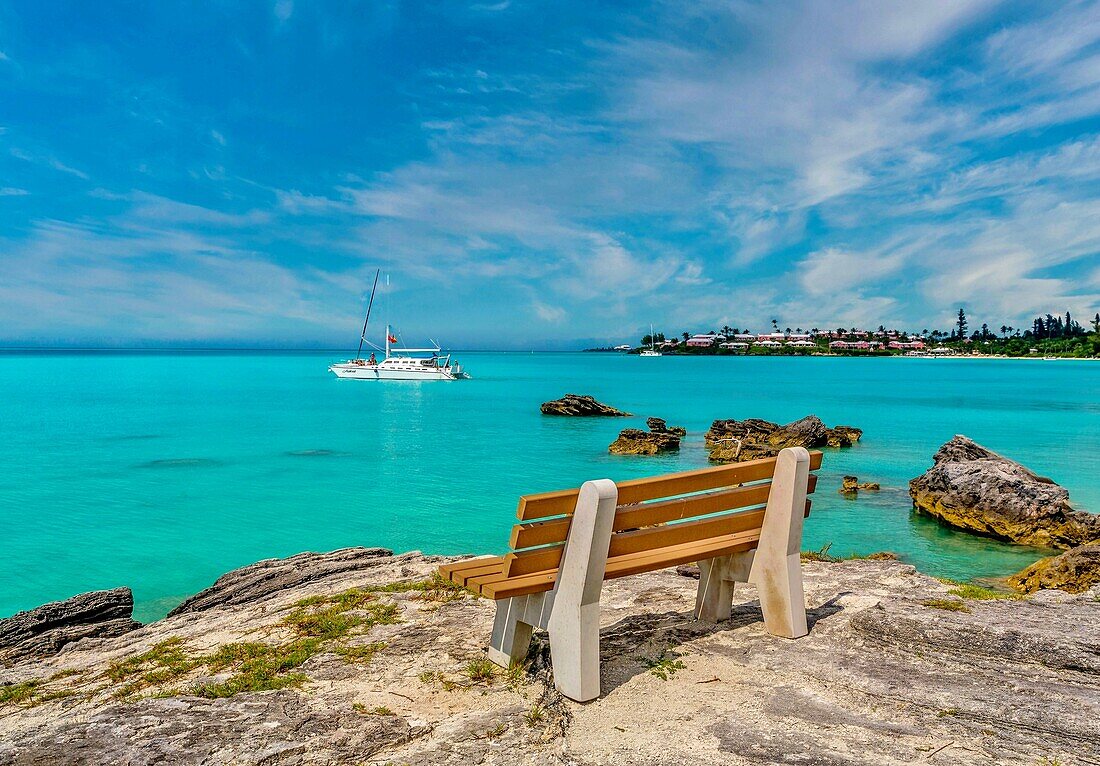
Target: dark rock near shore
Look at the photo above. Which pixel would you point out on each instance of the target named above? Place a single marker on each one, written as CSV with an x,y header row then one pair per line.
x,y
976,490
658,425
732,441
573,405
47,629
1074,571
634,441
264,578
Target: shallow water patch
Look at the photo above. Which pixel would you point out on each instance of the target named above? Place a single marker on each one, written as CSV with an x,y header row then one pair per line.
x,y
182,462
315,453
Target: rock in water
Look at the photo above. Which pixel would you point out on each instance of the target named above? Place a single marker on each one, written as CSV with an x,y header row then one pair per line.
x,y
732,441
658,425
580,406
1075,571
47,629
634,441
851,485
263,578
977,490
842,436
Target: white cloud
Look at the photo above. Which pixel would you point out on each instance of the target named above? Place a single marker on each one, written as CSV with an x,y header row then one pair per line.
x,y
548,313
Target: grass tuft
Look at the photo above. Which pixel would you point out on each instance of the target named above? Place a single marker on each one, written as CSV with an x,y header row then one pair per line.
x,y
947,604
364,653
535,715
165,661
16,694
436,588
981,593
664,667
821,554
480,670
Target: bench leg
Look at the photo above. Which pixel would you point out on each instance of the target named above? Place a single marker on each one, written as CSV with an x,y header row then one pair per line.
x,y
776,569
714,599
511,635
575,652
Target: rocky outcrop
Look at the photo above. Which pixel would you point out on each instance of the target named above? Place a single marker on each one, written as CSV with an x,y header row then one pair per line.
x,y
732,441
851,485
658,425
886,676
1074,571
580,407
253,582
51,627
976,490
634,441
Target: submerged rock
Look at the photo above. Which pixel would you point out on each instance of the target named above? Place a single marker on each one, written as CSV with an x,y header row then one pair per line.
x,y
976,490
634,441
574,405
47,629
1074,571
732,441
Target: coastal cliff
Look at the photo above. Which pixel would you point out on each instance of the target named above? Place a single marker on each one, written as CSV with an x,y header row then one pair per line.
x,y
360,656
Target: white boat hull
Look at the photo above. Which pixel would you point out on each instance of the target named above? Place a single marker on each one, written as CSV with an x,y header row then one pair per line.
x,y
380,372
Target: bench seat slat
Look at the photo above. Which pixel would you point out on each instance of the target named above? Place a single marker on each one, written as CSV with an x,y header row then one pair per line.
x,y
477,561
634,516
622,566
562,502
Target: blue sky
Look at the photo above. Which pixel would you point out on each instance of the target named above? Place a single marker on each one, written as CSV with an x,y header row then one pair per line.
x,y
542,175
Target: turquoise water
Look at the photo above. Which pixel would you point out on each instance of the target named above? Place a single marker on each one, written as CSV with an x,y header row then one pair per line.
x,y
163,471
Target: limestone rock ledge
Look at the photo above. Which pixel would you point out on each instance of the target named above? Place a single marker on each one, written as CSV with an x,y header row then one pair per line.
x,y
51,627
886,676
976,490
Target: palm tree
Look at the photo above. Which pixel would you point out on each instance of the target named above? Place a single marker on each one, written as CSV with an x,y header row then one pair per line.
x,y
727,330
685,335
775,325
1004,330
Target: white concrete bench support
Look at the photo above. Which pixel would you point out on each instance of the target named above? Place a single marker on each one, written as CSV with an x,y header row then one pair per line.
x,y
571,611
774,567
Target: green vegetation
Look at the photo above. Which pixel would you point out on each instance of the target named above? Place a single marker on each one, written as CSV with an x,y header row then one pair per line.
x,y
665,666
14,694
379,710
535,715
974,592
822,554
258,666
364,653
480,670
1049,335
317,624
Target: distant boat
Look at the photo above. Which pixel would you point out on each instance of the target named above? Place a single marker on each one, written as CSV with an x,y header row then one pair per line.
x,y
399,363
651,351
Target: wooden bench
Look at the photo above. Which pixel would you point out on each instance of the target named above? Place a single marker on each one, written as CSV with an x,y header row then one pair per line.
x,y
741,522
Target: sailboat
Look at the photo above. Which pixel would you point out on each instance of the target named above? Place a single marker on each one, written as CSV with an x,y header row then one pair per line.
x,y
652,350
399,363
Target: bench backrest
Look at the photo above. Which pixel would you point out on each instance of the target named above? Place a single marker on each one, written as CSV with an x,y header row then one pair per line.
x,y
652,513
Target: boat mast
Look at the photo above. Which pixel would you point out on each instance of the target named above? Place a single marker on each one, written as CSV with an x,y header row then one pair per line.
x,y
387,341
363,335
